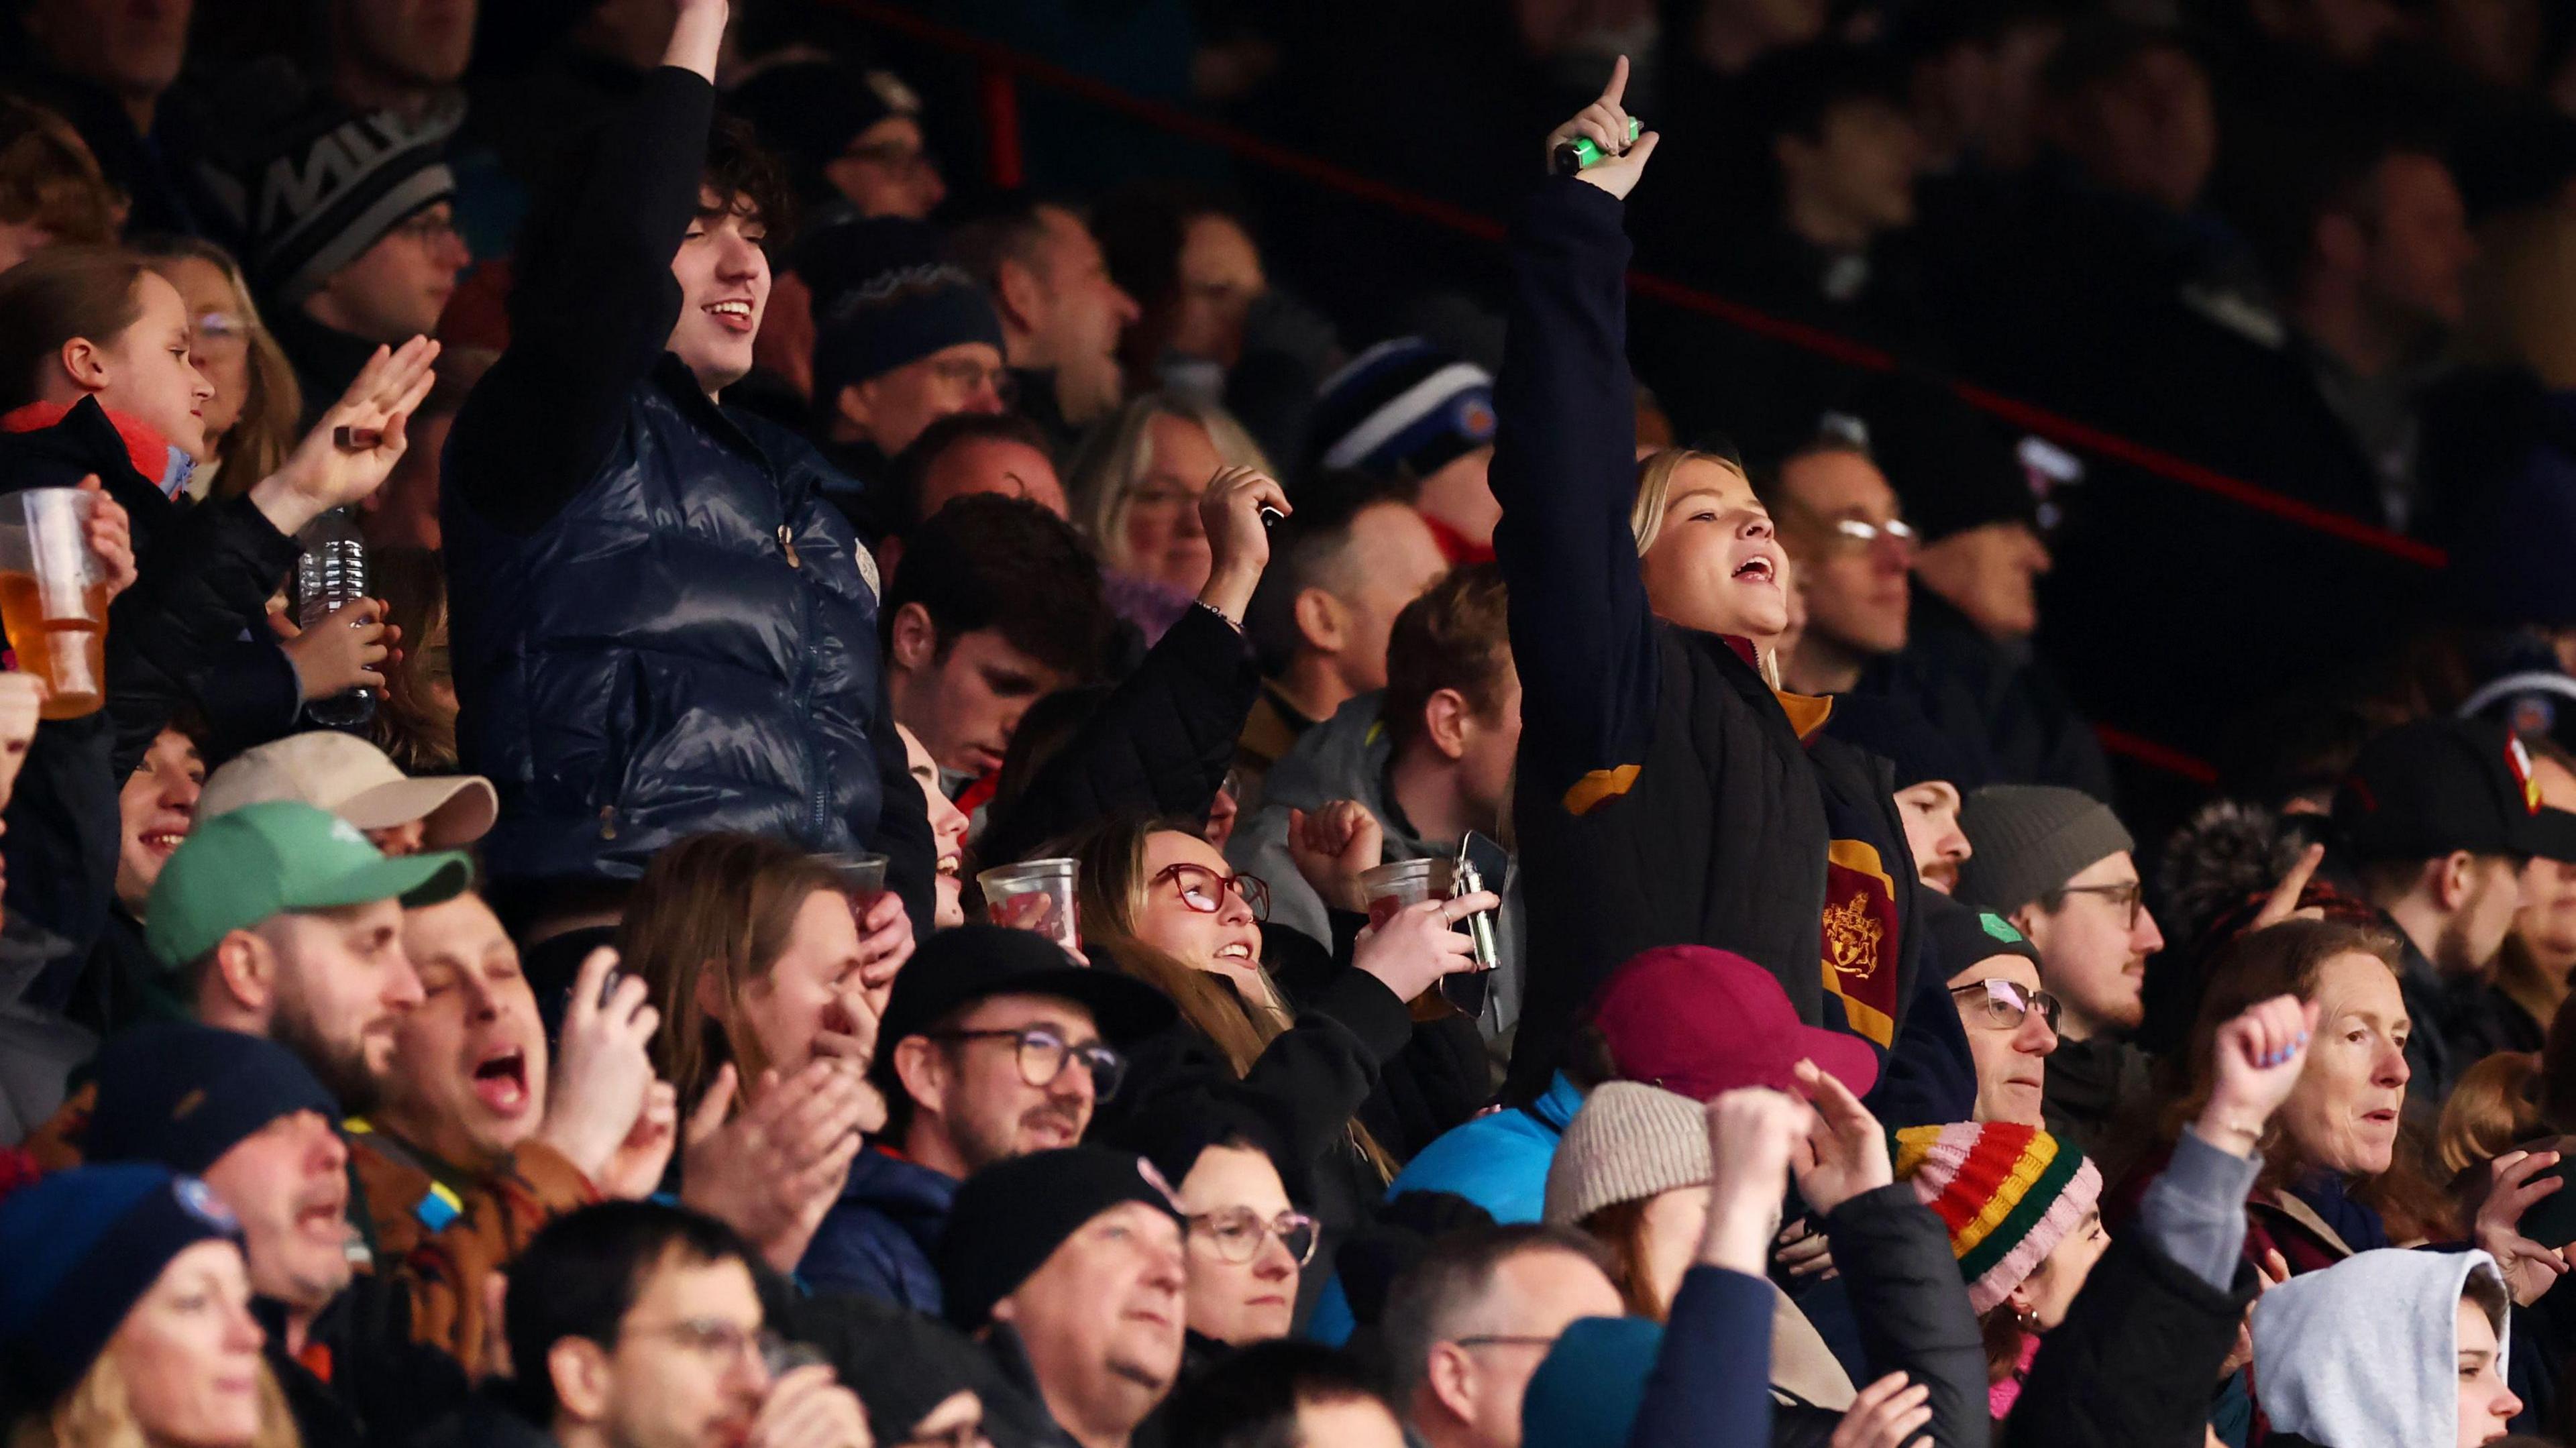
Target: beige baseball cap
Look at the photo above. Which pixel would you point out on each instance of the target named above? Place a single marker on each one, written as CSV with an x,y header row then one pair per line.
x,y
353,779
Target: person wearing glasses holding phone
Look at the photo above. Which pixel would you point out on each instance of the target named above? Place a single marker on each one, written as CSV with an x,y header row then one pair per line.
x,y
994,1044
2011,1023
2056,864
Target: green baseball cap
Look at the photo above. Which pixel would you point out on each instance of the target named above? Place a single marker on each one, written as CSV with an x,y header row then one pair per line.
x,y
262,860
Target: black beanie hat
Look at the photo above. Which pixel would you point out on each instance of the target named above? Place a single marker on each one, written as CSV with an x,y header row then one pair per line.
x,y
1953,466
82,1247
1963,935
182,1094
810,111
322,187
1009,1218
883,297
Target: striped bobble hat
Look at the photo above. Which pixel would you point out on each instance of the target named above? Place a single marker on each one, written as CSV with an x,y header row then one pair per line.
x,y
2007,1193
1402,408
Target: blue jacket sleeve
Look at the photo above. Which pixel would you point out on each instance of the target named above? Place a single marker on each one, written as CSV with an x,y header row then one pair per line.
x,y
1712,1378
1565,473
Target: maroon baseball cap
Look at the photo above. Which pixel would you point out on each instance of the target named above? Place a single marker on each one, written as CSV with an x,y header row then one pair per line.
x,y
1700,1021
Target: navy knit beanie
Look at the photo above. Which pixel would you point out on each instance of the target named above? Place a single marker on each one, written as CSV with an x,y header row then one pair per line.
x,y
1402,408
81,1247
182,1094
883,298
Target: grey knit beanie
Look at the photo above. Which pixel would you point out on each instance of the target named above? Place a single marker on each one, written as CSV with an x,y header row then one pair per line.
x,y
2029,839
1629,1142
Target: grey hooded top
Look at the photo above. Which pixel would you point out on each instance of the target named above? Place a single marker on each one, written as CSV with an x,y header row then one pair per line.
x,y
2365,1354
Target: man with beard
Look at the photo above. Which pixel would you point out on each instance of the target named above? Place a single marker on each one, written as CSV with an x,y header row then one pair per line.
x,y
994,1044
2055,863
2442,816
248,1117
283,922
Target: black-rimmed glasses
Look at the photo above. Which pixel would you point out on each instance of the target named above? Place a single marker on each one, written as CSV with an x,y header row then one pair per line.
x,y
2127,896
1043,1055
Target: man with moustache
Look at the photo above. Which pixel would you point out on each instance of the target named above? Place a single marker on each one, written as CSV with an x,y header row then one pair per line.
x,y
248,1117
280,922
994,1044
1067,1265
2055,863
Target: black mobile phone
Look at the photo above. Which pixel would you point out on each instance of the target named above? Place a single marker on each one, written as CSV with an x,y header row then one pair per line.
x,y
1482,865
2551,1221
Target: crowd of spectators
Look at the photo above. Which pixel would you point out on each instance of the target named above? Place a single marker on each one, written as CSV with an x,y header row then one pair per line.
x,y
1154,809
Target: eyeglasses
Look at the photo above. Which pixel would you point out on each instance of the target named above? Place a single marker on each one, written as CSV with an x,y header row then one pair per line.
x,y
1203,889
219,329
721,1342
1503,1339
2127,896
1856,535
969,375
428,228
2008,1005
1043,1054
1236,1233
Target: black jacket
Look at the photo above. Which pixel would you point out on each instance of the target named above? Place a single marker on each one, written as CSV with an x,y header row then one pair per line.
x,y
1894,1256
661,627
1665,797
487,1420
2135,1363
182,634
1995,694
380,1385
1160,744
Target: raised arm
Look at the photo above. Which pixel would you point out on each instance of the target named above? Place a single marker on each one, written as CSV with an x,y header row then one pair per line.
x,y
594,302
1565,466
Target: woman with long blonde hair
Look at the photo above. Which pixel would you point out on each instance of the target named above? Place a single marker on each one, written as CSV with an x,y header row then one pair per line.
x,y
1668,792
128,1324
251,419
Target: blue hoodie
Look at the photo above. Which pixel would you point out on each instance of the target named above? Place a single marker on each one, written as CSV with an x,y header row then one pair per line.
x,y
877,1240
1498,1161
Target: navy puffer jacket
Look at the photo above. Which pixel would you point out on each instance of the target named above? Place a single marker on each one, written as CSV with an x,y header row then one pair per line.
x,y
690,646
660,627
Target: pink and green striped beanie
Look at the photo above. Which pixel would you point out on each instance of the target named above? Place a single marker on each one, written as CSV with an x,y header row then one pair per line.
x,y
2007,1193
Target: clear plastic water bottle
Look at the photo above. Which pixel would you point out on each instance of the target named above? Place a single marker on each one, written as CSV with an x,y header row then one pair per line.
x,y
332,571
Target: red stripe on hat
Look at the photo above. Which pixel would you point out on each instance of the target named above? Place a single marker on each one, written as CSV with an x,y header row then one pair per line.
x,y
1990,1163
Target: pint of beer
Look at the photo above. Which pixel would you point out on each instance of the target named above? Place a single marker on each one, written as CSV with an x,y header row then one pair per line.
x,y
53,596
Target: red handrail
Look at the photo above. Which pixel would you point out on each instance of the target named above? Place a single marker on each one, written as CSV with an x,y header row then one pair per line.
x,y
998,64
996,58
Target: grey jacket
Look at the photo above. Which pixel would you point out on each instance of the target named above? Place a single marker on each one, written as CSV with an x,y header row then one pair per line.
x,y
1345,757
38,1048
